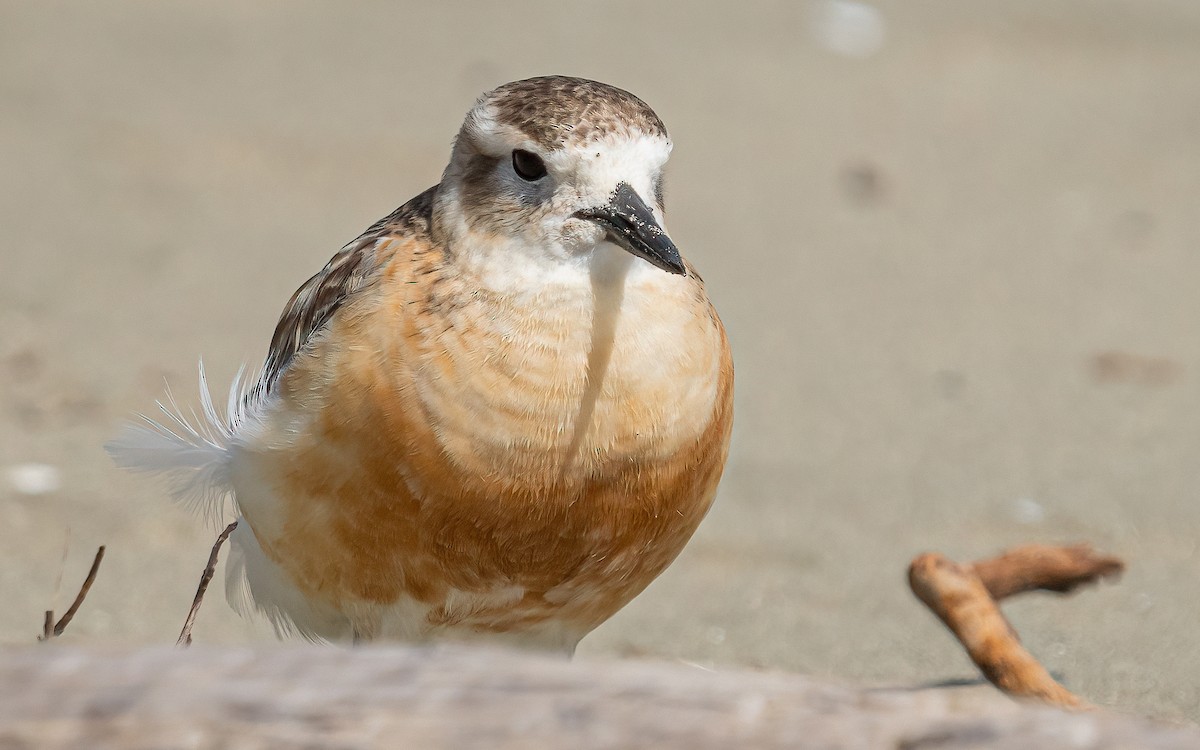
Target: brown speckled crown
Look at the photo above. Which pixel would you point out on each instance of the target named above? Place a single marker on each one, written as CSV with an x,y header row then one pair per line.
x,y
554,109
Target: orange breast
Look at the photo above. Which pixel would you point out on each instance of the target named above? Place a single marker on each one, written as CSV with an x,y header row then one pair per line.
x,y
433,458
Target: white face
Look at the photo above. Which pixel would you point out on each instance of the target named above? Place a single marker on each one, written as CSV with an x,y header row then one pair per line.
x,y
509,200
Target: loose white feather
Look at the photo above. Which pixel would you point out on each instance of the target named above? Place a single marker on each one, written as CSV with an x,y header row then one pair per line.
x,y
192,453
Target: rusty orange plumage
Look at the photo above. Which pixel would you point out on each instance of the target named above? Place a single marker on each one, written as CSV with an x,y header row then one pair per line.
x,y
502,411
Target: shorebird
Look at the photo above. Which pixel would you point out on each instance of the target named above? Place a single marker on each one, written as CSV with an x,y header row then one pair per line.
x,y
500,412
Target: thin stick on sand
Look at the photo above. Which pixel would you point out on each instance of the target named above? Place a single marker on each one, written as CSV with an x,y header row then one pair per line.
x,y
50,629
964,598
185,635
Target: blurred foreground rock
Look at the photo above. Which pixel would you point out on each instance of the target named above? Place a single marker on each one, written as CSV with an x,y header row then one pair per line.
x,y
385,697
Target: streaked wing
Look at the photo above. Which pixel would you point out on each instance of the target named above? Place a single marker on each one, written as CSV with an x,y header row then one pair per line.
x,y
348,273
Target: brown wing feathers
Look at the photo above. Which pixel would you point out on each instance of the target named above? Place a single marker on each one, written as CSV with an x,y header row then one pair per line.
x,y
347,273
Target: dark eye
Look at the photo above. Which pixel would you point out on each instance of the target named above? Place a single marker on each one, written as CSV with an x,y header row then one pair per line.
x,y
528,165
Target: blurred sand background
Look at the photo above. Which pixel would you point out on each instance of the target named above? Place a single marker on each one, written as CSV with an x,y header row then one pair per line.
x,y
956,245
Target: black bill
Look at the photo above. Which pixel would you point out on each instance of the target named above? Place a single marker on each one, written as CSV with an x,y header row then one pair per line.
x,y
631,224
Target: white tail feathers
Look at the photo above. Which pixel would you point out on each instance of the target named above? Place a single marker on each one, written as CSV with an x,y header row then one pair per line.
x,y
192,454
253,583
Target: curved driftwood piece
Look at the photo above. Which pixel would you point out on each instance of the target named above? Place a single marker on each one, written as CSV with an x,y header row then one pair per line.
x,y
1039,567
391,697
964,597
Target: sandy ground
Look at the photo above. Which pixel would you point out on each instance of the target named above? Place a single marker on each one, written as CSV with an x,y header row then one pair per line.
x,y
959,272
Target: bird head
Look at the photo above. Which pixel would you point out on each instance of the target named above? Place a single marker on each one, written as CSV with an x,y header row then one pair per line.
x,y
546,170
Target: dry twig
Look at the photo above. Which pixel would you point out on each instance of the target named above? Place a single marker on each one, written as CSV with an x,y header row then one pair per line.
x,y
50,629
185,635
964,598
